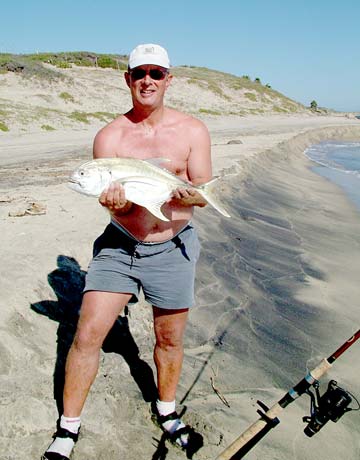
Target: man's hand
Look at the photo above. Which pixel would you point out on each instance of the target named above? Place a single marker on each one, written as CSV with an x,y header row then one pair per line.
x,y
114,199
188,197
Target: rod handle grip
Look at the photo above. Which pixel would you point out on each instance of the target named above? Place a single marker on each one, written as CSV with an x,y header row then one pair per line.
x,y
247,435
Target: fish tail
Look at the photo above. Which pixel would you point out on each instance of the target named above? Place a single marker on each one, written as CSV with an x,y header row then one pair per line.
x,y
208,191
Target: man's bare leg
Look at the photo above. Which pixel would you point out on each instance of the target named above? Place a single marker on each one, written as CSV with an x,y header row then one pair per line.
x,y
169,326
98,313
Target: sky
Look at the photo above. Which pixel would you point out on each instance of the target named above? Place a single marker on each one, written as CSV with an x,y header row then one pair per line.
x,y
307,50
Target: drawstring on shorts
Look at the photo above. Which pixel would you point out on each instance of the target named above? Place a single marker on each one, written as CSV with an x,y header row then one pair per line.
x,y
134,254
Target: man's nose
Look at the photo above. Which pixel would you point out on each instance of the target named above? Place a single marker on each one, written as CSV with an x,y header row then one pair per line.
x,y
147,78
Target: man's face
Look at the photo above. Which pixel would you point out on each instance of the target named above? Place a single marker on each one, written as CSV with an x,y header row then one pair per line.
x,y
148,84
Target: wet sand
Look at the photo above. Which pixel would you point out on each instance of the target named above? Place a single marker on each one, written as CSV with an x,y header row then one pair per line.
x,y
282,275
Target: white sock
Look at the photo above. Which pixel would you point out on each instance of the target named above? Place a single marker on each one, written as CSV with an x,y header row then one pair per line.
x,y
64,446
166,408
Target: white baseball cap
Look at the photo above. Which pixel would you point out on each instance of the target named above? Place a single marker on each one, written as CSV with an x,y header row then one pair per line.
x,y
149,54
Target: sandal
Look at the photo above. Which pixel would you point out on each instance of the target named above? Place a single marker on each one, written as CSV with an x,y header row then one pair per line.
x,y
53,456
60,433
194,441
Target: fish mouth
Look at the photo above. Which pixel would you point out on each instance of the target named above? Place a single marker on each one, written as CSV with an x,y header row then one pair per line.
x,y
74,184
73,181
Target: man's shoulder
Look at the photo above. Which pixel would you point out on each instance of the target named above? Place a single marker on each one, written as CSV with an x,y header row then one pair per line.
x,y
114,126
185,119
113,129
107,139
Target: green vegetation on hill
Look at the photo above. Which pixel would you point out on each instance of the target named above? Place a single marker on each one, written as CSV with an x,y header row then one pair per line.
x,y
26,66
216,81
31,64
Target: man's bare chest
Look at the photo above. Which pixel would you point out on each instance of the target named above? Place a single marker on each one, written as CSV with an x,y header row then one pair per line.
x,y
147,145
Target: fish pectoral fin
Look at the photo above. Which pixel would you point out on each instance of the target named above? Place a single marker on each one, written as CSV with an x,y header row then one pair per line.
x,y
146,192
155,209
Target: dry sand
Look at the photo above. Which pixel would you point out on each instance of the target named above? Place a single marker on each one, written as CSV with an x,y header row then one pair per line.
x,y
277,290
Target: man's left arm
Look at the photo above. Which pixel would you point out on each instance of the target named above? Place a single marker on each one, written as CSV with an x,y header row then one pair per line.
x,y
199,167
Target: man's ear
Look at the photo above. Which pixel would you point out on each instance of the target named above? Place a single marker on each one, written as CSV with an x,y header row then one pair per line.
x,y
168,80
127,78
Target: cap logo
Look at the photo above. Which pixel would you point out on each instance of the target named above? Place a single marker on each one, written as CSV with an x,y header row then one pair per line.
x,y
150,50
149,53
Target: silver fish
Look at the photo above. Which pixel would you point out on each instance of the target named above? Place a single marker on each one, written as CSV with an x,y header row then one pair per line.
x,y
145,183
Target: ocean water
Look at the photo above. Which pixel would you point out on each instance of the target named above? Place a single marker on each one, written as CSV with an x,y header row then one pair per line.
x,y
339,162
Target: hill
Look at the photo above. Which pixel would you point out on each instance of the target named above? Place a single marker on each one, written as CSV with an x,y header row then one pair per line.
x,y
69,90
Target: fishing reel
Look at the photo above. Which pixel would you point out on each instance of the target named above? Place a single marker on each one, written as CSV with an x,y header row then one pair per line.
x,y
332,405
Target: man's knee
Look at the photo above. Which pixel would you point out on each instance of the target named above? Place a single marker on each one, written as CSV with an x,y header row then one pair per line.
x,y
87,338
169,327
169,342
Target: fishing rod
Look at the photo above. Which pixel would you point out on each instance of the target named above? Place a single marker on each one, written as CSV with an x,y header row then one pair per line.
x,y
331,406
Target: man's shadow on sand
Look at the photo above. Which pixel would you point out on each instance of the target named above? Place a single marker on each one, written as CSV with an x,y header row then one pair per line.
x,y
68,282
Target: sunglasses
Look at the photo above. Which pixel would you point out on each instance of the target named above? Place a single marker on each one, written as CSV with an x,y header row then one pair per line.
x,y
155,74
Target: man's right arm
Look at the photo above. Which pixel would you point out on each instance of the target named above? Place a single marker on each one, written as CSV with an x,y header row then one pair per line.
x,y
113,198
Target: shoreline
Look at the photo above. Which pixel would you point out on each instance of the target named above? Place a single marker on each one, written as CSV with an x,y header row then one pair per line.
x,y
272,282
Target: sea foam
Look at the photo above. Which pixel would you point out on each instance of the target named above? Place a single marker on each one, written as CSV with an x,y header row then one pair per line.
x,y
338,161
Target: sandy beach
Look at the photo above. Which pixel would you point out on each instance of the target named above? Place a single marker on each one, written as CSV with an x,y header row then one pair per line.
x,y
277,290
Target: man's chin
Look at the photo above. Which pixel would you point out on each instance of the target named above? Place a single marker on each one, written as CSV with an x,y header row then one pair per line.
x,y
148,102
151,98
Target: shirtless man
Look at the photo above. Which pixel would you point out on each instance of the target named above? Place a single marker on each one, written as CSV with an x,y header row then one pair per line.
x,y
139,250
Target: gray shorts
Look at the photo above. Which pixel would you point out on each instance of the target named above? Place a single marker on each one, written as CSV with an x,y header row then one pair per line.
x,y
165,271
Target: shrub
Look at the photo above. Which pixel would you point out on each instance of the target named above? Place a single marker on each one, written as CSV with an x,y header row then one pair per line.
x,y
3,127
103,116
79,116
47,128
63,65
278,109
106,61
313,105
209,112
66,97
251,96
196,81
